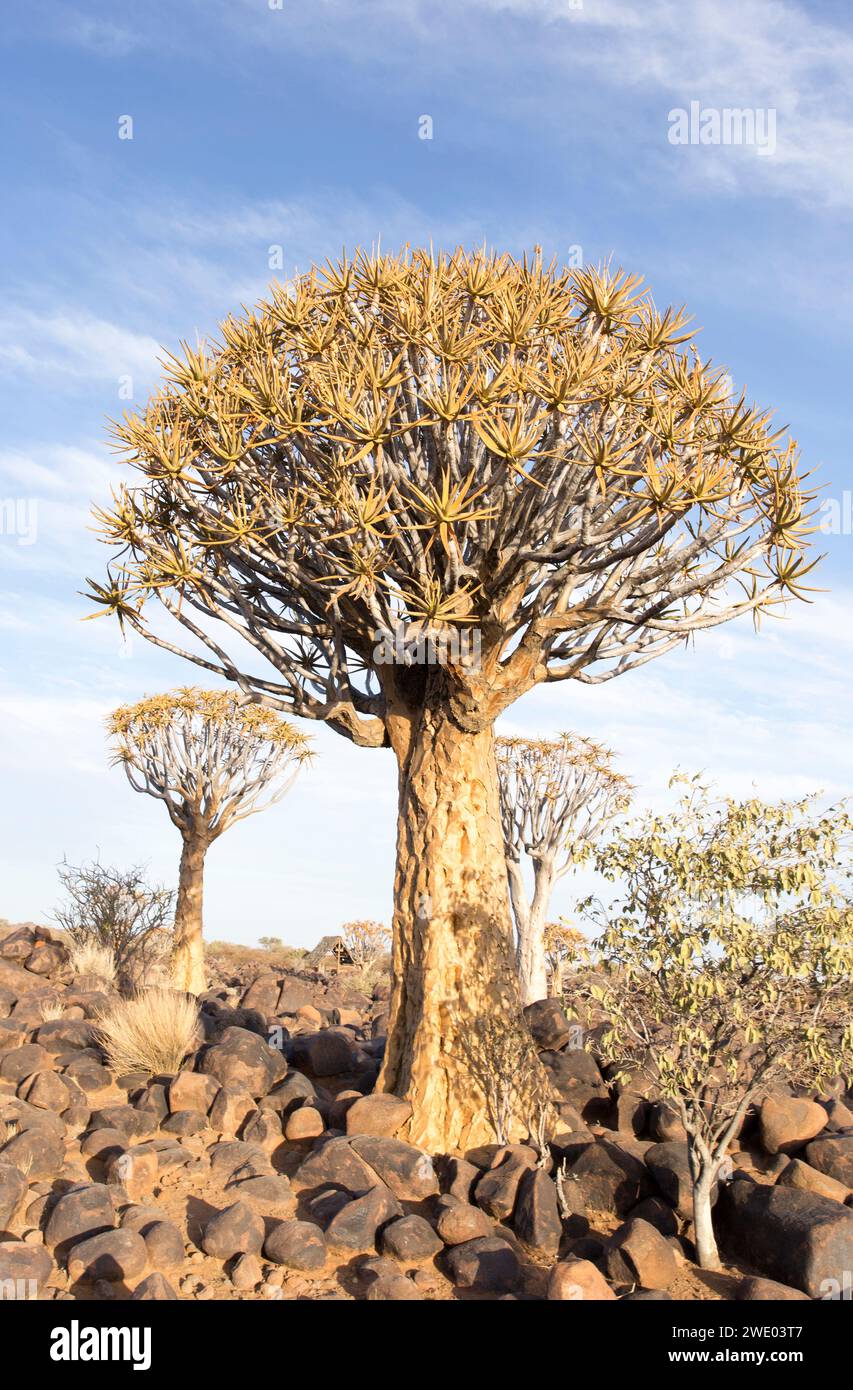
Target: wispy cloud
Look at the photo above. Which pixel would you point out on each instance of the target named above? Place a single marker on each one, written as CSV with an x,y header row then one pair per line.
x,y
737,53
71,344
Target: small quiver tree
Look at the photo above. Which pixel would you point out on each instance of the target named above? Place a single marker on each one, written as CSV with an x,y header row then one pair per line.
x,y
213,759
564,946
518,453
728,964
557,796
366,941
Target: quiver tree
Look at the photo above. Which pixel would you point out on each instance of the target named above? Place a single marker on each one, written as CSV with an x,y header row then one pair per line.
x,y
500,450
213,760
727,964
564,945
557,795
366,941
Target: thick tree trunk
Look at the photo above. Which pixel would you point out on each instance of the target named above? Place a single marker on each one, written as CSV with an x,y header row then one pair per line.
x,y
707,1254
453,949
188,972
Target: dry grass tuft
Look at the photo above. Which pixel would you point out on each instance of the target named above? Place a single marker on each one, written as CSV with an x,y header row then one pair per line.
x,y
91,958
152,1032
51,1010
11,1130
366,977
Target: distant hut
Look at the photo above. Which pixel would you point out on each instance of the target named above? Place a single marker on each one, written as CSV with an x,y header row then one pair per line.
x,y
329,954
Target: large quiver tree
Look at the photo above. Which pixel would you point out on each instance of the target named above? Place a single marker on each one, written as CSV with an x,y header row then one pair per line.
x,y
511,453
213,759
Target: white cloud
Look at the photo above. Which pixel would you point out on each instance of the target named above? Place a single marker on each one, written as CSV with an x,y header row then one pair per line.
x,y
73,344
737,53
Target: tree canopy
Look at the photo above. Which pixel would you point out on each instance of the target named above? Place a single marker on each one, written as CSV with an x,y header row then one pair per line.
x,y
466,440
210,756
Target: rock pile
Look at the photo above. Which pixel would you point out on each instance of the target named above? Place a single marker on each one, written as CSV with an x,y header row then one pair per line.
x,y
266,1168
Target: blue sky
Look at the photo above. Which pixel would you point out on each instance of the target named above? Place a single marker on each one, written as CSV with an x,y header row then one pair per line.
x,y
257,127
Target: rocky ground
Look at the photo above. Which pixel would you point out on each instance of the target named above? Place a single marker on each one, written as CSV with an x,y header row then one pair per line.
x,y
271,1172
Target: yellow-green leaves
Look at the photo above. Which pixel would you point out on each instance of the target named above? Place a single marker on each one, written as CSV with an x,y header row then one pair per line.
x,y
210,755
728,956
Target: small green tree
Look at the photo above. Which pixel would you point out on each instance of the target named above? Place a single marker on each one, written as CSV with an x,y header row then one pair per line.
x,y
728,963
212,758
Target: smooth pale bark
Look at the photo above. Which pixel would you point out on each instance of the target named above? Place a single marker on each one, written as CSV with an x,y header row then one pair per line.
x,y
530,917
707,1254
453,940
188,970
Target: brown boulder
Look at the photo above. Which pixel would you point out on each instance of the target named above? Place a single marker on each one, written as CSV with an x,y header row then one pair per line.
x,y
536,1217
48,1091
17,1063
18,981
548,1024
24,1269
378,1114
787,1123
334,1163
357,1225
237,1230
192,1090
304,1123
795,1237
802,1175
755,1290
82,1212
833,1156
497,1189
115,1256
13,1190
458,1222
405,1169
296,1245
410,1239
230,1110
578,1281
263,994
242,1060
487,1264
639,1254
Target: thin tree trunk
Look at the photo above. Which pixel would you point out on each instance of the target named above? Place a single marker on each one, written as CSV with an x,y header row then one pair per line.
x,y
188,971
532,967
703,1230
556,984
530,918
453,959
